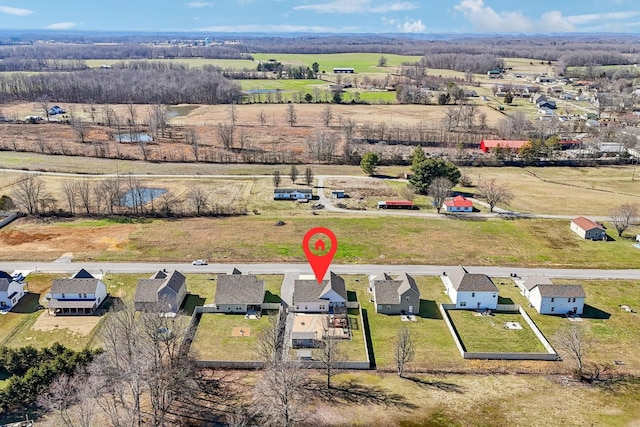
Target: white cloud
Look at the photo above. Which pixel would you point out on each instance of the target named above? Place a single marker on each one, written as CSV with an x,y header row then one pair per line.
x,y
15,11
357,6
484,18
408,26
198,4
276,29
61,26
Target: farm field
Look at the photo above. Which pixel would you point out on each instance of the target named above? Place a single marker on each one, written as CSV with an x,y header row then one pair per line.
x,y
360,62
524,242
232,64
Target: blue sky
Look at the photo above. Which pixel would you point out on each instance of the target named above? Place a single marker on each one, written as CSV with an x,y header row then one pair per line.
x,y
337,16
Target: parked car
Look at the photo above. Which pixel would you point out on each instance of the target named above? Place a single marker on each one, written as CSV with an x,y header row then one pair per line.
x,y
199,262
56,110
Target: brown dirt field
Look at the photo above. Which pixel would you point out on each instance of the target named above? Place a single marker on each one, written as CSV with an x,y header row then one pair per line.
x,y
29,239
78,324
241,332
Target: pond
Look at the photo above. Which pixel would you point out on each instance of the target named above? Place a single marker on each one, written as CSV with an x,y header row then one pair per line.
x,y
180,110
136,137
141,196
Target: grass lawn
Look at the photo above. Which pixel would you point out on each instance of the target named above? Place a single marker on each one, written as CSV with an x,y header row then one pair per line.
x,y
488,333
213,340
614,333
233,64
361,62
434,347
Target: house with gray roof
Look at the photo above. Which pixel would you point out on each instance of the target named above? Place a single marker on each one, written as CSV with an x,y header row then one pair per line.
x,y
10,291
470,291
395,296
531,282
549,298
239,293
162,291
328,297
81,294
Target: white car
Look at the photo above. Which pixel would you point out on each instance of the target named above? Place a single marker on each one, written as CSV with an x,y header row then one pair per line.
x,y
199,262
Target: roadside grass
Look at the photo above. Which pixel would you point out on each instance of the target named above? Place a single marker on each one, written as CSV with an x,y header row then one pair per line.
x,y
434,347
213,340
613,332
489,334
360,62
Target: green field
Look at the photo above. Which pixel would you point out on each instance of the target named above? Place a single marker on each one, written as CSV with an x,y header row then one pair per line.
x,y
233,64
360,62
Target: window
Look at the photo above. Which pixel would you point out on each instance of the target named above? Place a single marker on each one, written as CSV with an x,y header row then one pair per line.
x,y
473,294
388,308
62,296
553,299
574,300
297,307
322,307
379,307
407,298
463,303
553,309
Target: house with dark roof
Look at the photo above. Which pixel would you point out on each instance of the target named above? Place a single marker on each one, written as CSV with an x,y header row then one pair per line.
x,y
588,229
328,297
557,299
81,294
239,293
470,291
531,282
162,291
10,291
458,204
395,296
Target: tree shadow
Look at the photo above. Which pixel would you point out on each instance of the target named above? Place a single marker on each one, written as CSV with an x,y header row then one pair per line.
x,y
465,217
369,342
440,385
27,304
190,303
112,301
429,310
353,392
591,312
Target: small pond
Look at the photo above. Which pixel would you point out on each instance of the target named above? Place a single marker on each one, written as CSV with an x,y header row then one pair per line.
x,y
141,197
180,110
136,137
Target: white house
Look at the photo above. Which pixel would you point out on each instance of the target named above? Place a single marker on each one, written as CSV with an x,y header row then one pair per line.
x,y
587,229
529,283
292,194
470,291
81,294
10,291
329,297
558,299
458,204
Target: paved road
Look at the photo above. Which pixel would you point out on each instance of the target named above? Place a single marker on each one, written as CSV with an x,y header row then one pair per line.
x,y
292,270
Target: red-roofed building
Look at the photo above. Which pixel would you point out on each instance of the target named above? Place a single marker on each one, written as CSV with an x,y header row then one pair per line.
x,y
396,204
458,204
588,229
488,145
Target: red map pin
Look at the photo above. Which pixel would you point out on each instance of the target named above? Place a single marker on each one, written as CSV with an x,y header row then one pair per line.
x,y
320,245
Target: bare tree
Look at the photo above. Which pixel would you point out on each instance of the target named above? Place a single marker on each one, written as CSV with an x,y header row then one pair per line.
x,y
158,118
262,117
232,113
293,173
45,106
70,190
495,193
71,396
329,354
404,350
80,128
277,179
327,115
279,394
290,115
439,190
27,193
111,189
199,199
194,142
574,344
269,344
407,192
308,175
225,134
623,216
108,115
83,192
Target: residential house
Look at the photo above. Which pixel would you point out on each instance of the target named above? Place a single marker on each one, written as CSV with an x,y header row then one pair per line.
x,y
588,229
470,291
162,291
395,296
489,145
10,291
81,294
458,204
529,283
343,70
239,293
311,297
558,299
292,194
545,111
551,105
338,194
